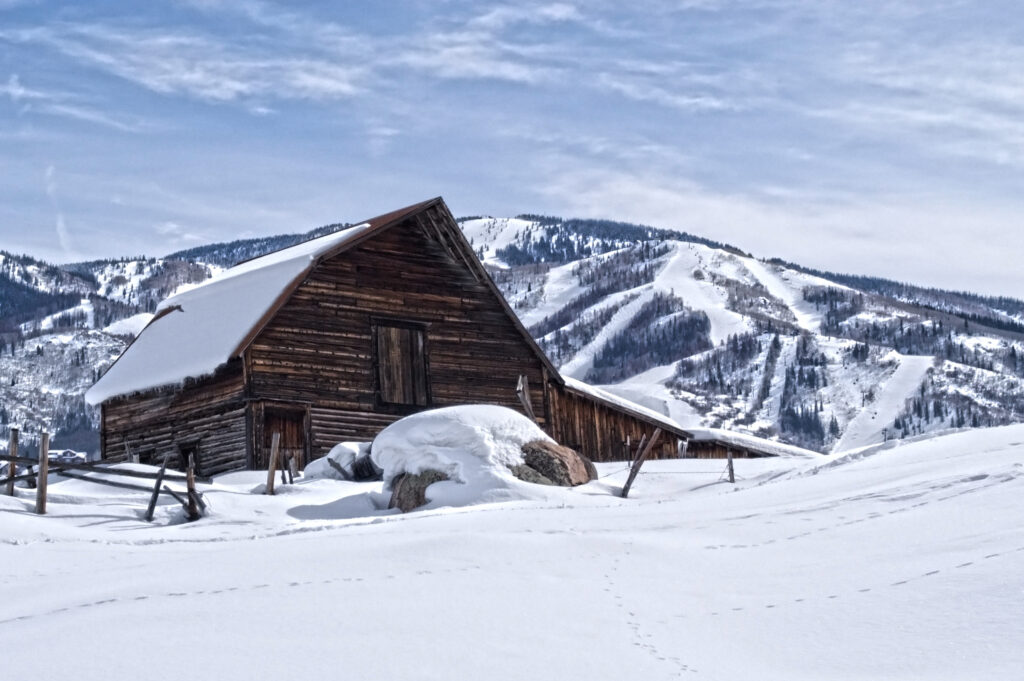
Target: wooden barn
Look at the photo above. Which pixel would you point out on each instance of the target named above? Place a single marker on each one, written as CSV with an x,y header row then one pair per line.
x,y
335,338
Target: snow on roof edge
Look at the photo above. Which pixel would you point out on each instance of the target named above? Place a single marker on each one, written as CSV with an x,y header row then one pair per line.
x,y
197,331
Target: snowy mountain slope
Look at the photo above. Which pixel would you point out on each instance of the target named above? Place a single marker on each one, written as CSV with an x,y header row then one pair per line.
x,y
788,287
808,393
683,324
897,562
890,397
43,383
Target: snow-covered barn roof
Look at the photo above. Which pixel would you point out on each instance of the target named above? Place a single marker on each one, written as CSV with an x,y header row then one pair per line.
x,y
198,330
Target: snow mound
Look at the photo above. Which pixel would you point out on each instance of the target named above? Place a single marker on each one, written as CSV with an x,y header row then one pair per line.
x,y
473,445
343,454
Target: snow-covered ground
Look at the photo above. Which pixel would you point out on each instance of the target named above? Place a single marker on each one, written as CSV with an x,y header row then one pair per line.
x,y
898,562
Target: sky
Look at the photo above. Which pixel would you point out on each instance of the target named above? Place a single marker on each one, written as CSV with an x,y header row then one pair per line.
x,y
878,137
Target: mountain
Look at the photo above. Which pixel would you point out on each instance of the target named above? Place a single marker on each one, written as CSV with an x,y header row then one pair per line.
x,y
694,328
712,336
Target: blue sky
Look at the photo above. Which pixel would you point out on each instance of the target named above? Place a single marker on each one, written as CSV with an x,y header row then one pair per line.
x,y
878,137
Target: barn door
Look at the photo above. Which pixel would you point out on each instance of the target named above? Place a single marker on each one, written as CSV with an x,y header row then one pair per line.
x,y
291,424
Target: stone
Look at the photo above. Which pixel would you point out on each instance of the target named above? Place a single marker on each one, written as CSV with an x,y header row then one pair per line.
x,y
562,466
527,474
409,491
364,469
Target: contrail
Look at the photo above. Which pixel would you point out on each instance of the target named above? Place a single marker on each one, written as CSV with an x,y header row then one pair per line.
x,y
63,235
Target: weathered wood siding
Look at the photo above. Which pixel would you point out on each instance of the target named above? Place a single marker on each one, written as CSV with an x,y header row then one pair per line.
x,y
319,348
601,432
210,413
718,450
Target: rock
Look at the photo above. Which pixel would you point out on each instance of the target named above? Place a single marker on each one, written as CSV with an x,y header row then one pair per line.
x,y
365,470
561,465
527,474
409,492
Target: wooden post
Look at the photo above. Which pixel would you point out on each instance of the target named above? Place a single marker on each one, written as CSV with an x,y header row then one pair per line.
x,y
640,462
156,491
44,465
523,392
12,451
192,509
732,473
275,442
293,468
338,467
639,448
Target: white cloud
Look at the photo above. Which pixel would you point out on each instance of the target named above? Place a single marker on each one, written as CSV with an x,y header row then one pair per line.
x,y
502,17
177,235
18,92
924,239
645,91
209,69
964,98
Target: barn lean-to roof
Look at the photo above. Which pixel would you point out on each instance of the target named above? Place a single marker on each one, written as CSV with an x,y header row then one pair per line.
x,y
198,331
759,445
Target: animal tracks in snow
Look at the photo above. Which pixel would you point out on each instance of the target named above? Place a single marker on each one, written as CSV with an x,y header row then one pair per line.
x,y
218,592
641,638
863,590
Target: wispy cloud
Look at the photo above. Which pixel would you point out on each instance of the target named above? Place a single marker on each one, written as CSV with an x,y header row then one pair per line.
x,y
63,235
965,98
63,105
182,63
18,92
176,235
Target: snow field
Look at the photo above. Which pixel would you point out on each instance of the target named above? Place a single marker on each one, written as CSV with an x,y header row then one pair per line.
x,y
893,562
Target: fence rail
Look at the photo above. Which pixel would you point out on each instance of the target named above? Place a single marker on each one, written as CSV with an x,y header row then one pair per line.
x,y
191,500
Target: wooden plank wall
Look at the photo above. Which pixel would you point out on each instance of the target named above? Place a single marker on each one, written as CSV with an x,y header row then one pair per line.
x,y
600,432
153,425
717,450
319,347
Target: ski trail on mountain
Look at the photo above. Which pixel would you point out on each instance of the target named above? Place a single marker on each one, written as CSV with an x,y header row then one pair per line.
x,y
868,426
583,360
702,295
807,317
560,287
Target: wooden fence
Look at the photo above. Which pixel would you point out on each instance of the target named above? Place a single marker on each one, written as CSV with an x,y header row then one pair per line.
x,y
191,500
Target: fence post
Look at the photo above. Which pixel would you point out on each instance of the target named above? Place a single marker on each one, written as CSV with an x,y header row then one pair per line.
x,y
44,469
12,451
640,462
156,491
275,442
732,473
190,486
